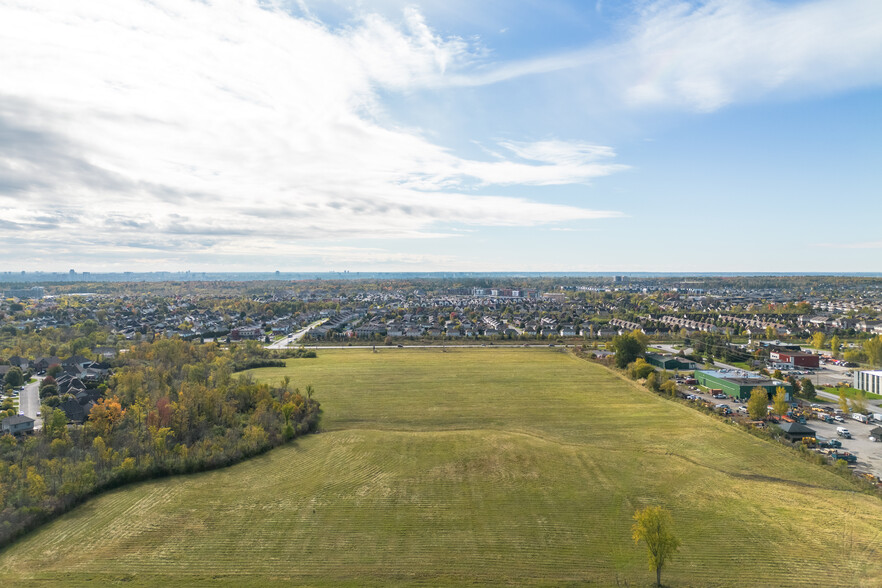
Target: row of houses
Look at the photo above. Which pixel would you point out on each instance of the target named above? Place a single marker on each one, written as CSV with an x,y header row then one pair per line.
x,y
755,323
828,323
691,325
626,325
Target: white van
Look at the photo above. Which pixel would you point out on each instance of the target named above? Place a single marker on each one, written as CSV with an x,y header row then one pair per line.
x,y
843,432
861,418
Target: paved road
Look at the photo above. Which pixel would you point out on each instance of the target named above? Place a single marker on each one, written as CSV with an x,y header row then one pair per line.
x,y
667,347
293,338
29,402
438,346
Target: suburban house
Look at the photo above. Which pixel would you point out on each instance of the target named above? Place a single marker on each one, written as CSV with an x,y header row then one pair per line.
x,y
75,411
17,425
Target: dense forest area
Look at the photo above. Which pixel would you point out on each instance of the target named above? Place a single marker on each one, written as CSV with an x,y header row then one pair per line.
x,y
171,407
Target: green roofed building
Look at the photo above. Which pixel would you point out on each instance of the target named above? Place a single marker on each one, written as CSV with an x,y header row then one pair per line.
x,y
669,362
739,383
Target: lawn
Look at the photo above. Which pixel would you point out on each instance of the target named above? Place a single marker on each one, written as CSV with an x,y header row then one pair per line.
x,y
849,392
482,466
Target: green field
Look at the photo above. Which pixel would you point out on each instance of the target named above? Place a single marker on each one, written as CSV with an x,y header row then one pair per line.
x,y
849,392
486,466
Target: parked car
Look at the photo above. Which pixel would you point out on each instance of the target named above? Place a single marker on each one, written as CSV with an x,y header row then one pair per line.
x,y
843,432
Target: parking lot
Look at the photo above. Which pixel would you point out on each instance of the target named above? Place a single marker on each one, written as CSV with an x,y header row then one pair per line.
x,y
868,453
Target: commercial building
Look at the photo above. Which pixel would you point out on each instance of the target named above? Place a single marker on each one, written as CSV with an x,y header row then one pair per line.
x,y
669,362
869,381
776,344
796,431
739,383
794,358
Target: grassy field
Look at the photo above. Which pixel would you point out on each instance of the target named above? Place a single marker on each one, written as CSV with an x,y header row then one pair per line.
x,y
483,466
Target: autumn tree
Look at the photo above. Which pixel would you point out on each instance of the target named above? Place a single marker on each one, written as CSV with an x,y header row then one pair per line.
x,y
653,526
757,404
105,415
780,401
289,409
873,350
818,340
54,423
36,485
843,401
834,345
859,402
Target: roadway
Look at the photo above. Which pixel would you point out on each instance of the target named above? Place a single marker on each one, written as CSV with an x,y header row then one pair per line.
x,y
29,402
289,340
437,346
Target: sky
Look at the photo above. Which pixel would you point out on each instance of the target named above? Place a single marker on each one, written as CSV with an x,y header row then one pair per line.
x,y
515,135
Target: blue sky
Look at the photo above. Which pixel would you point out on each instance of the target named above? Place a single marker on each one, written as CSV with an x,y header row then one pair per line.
x,y
430,136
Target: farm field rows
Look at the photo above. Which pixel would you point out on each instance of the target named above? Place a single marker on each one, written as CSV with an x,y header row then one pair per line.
x,y
481,466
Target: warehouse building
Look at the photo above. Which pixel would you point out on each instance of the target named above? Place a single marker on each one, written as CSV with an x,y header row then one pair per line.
x,y
669,362
739,384
869,381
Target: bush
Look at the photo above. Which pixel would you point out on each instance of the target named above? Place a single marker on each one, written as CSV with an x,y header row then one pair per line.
x,y
640,369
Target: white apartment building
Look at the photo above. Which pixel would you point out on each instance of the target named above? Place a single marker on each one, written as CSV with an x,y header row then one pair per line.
x,y
869,381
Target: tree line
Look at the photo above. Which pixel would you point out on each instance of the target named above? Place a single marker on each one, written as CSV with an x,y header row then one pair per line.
x,y
171,407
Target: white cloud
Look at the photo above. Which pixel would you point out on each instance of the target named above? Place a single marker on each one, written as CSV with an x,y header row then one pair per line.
x,y
705,55
221,126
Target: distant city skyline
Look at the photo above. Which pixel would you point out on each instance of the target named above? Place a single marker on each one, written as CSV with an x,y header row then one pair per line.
x,y
253,136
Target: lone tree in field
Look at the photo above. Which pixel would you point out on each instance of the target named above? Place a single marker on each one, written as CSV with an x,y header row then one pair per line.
x,y
757,405
653,525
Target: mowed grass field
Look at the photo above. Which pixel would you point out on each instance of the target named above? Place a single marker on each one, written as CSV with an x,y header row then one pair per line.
x,y
477,467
